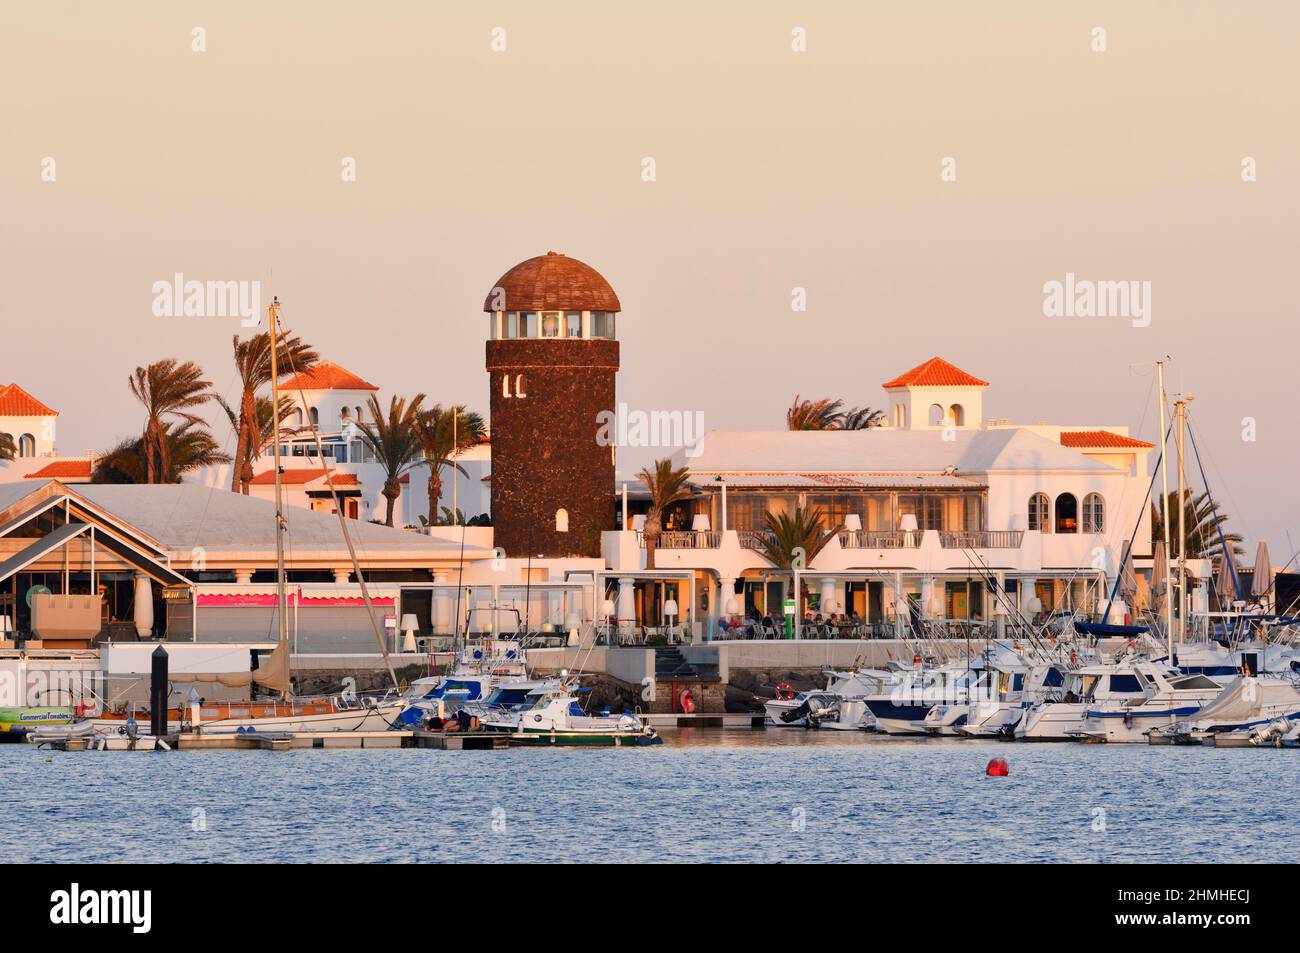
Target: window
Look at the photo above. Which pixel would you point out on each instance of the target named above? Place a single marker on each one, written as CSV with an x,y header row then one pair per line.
x,y
550,324
315,417
561,520
936,415
345,413
1038,510
26,445
1094,514
599,328
573,324
528,324
519,386
1067,513
957,415
512,324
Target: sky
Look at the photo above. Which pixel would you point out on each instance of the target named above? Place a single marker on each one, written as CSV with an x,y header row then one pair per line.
x,y
823,168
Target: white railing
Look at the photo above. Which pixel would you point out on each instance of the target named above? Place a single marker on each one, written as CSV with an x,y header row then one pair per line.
x,y
879,539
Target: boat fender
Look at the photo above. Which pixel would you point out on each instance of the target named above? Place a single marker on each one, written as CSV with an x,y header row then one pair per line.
x,y
687,700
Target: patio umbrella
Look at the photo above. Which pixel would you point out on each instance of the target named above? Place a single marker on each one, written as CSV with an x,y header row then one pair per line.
x,y
1224,587
1262,579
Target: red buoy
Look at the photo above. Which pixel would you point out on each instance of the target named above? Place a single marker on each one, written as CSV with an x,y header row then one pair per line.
x,y
998,768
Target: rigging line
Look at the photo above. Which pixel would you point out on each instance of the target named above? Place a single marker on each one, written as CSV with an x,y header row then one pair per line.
x,y
1142,513
274,342
1241,518
1218,524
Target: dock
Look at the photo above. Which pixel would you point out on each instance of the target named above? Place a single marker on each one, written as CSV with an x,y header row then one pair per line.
x,y
705,720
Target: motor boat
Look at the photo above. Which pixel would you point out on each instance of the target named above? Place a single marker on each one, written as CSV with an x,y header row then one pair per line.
x,y
1011,691
841,705
901,708
551,714
1100,684
1250,702
1165,698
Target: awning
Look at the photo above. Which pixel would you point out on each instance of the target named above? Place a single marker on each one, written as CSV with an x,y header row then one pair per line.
x,y
47,544
41,547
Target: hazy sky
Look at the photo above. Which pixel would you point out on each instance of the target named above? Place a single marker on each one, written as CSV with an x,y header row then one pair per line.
x,y
775,169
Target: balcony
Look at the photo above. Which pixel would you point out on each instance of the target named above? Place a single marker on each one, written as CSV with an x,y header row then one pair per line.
x,y
687,539
880,539
982,539
754,538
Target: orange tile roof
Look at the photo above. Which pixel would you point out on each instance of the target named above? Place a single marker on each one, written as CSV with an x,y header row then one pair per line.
x,y
300,477
936,372
16,402
1092,439
62,470
326,376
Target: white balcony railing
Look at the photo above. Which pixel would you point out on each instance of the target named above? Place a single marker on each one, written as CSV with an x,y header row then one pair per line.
x,y
982,539
879,539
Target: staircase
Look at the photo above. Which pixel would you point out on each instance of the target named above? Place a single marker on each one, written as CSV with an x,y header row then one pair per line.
x,y
671,665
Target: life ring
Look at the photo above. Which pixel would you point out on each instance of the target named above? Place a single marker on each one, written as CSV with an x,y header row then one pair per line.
x,y
784,692
916,661
84,709
686,699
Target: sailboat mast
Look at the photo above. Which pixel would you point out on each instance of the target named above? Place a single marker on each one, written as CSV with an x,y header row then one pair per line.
x,y
273,316
1164,481
1180,409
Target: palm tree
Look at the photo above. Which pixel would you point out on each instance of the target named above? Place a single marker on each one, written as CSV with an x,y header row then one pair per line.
x,y
265,433
827,414
861,418
787,534
166,388
253,364
7,448
395,441
1203,525
444,433
189,447
821,414
666,486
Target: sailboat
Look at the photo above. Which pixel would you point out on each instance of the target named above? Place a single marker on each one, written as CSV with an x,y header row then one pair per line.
x,y
343,712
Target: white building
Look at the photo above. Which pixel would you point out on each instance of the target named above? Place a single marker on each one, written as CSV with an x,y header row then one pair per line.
x,y
30,425
960,519
328,401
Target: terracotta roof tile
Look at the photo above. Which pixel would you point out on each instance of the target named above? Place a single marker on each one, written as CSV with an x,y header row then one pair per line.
x,y
326,376
936,372
16,402
62,470
1092,439
302,476
552,282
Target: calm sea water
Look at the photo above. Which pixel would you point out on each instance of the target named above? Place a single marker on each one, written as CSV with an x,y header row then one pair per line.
x,y
705,795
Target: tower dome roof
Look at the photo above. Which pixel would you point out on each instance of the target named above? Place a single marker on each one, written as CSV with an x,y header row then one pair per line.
x,y
552,282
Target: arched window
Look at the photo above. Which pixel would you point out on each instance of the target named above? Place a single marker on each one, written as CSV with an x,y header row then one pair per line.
x,y
358,410
345,413
1040,513
519,386
957,414
315,417
936,415
26,445
550,324
1094,513
561,520
505,385
1067,513
297,417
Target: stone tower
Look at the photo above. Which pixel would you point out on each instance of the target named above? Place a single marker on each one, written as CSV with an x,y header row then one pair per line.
x,y
551,360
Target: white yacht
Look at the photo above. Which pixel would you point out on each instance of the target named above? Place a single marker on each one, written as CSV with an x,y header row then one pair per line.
x,y
1104,683
551,714
1013,691
901,708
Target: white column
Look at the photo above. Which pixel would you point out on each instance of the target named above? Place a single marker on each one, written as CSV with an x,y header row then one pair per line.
x,y
1026,594
442,605
829,597
625,608
900,606
244,577
341,576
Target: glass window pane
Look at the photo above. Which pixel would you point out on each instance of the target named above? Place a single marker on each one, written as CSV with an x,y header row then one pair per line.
x,y
550,324
529,325
573,324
